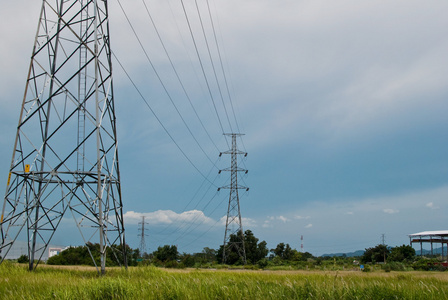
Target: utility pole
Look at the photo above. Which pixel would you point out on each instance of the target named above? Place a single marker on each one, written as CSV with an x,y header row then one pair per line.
x,y
142,236
234,235
384,244
65,157
301,243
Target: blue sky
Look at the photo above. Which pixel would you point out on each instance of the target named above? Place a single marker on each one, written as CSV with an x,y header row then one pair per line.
x,y
343,106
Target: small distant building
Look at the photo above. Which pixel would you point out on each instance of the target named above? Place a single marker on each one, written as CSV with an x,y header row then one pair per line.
x,y
52,251
431,237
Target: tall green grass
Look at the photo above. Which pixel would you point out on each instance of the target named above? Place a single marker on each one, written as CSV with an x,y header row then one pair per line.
x,y
152,283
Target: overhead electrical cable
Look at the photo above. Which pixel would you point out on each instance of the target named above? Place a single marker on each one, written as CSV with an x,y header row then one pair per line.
x,y
161,82
191,200
224,73
158,120
202,62
213,65
201,235
202,66
197,225
194,220
177,74
183,222
222,65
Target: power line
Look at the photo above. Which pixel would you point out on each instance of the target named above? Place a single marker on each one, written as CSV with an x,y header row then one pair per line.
x,y
184,209
161,81
158,120
202,65
213,65
176,73
222,66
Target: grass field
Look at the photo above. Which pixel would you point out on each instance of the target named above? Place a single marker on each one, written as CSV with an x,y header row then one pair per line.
x,y
153,283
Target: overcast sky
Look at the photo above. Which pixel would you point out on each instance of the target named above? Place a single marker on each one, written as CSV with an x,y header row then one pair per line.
x,y
343,105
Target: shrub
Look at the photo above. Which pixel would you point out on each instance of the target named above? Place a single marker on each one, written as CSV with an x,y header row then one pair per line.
x,y
393,266
23,259
262,263
171,264
366,269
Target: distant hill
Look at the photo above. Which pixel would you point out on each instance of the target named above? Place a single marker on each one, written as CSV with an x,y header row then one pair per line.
x,y
435,251
349,254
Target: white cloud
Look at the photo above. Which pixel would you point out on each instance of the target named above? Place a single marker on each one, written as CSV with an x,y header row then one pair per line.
x,y
390,211
266,224
309,225
283,219
302,217
431,205
247,222
349,213
167,217
271,220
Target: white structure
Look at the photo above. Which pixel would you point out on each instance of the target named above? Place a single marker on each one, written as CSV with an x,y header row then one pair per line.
x,y
438,237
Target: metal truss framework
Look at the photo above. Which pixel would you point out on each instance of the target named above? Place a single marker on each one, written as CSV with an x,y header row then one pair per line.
x,y
65,160
142,236
234,235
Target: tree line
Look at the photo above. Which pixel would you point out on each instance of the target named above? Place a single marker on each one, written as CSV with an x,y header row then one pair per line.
x,y
258,255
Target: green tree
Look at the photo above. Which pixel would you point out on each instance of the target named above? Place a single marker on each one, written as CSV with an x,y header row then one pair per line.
x,y
262,251
232,254
283,251
278,251
375,254
306,256
23,259
81,256
166,253
255,251
401,253
187,260
209,254
287,253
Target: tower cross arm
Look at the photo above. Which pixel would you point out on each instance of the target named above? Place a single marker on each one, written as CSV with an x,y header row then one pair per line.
x,y
233,152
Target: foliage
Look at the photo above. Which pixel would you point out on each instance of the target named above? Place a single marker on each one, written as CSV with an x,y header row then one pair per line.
x,y
209,255
23,259
401,253
394,266
166,253
428,264
255,251
283,251
376,254
81,255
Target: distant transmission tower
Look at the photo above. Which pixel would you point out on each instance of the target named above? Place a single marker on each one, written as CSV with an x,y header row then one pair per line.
x,y
65,160
234,227
142,236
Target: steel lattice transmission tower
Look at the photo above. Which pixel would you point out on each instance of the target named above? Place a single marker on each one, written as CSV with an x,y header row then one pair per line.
x,y
234,235
65,160
142,236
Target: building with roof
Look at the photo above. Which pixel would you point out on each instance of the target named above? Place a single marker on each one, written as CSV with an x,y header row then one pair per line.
x,y
431,237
